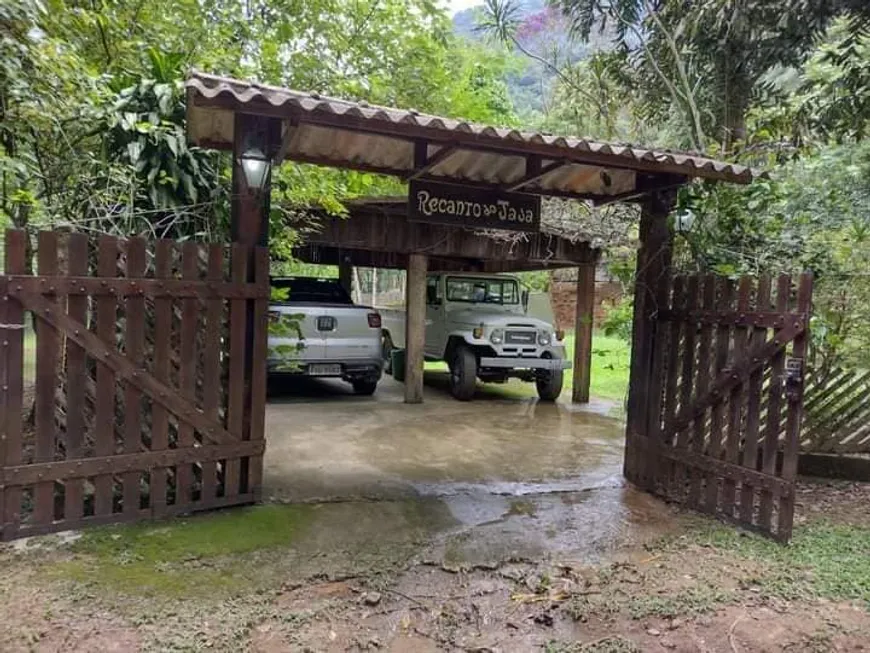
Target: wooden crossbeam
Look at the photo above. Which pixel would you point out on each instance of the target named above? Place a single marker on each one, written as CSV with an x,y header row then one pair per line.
x,y
177,288
157,391
535,175
433,161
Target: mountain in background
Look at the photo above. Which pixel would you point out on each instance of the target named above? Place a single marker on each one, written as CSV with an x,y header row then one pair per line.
x,y
543,31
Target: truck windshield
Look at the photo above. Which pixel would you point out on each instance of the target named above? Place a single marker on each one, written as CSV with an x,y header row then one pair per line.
x,y
309,290
485,291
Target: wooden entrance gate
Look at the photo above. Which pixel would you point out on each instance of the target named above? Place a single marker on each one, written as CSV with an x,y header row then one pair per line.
x,y
147,394
723,385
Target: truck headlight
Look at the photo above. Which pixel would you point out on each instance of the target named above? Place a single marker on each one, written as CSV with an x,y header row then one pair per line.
x,y
497,336
544,338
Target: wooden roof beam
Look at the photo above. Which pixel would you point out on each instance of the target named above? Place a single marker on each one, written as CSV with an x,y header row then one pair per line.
x,y
423,165
533,174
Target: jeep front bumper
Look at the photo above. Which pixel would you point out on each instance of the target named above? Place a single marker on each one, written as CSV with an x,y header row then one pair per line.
x,y
519,363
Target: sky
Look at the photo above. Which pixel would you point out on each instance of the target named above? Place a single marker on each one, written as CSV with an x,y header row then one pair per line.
x,y
459,5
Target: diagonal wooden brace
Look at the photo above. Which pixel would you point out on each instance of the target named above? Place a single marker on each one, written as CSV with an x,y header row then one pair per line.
x,y
158,392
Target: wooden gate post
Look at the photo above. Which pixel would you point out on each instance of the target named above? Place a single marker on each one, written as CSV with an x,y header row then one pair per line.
x,y
583,323
415,328
253,137
650,294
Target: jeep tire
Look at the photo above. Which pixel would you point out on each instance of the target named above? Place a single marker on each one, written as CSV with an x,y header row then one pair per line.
x,y
463,373
549,384
364,387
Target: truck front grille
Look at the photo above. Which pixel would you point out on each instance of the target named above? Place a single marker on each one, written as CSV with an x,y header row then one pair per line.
x,y
520,337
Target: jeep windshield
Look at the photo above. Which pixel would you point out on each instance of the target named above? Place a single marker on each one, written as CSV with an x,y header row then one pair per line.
x,y
477,290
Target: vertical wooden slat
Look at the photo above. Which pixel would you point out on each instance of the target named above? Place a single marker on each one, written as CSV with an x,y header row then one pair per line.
x,y
415,329
212,365
753,406
724,302
258,372
107,262
47,349
774,408
4,387
13,345
687,382
187,368
702,382
661,334
583,323
678,302
134,343
794,396
735,400
77,307
162,343
236,389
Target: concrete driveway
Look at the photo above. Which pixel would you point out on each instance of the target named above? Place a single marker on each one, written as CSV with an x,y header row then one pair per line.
x,y
324,443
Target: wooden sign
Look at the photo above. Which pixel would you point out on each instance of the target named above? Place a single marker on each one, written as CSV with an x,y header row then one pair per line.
x,y
471,207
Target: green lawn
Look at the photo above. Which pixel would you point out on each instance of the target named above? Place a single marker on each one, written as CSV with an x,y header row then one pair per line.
x,y
610,360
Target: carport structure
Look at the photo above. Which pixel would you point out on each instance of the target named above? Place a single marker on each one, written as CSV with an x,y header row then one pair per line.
x,y
699,357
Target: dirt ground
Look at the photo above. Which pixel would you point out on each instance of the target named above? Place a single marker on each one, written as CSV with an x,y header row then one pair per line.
x,y
383,576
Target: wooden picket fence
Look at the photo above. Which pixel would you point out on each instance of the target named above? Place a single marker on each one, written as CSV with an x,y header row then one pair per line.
x,y
150,380
837,412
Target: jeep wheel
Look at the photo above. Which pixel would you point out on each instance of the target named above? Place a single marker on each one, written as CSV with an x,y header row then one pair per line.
x,y
364,387
463,374
549,384
387,353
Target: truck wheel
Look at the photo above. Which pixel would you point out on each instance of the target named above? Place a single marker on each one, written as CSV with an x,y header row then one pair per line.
x,y
550,384
463,373
364,387
387,353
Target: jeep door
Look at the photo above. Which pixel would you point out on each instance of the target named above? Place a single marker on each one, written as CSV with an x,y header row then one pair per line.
x,y
436,316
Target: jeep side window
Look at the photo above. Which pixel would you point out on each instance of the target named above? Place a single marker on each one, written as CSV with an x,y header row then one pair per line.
x,y
433,296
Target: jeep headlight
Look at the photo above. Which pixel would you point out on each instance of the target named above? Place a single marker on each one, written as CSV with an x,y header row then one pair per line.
x,y
497,336
544,338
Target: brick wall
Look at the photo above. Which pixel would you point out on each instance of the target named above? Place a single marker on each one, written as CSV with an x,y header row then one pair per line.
x,y
563,297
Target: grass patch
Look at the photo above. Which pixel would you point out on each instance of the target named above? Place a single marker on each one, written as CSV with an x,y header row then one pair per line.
x,y
824,560
692,601
197,555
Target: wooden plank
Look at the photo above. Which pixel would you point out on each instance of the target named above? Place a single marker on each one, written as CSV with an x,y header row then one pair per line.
x,y
47,367
415,328
655,467
718,317
104,425
687,383
736,400
774,410
794,398
125,463
702,382
76,377
13,345
134,341
163,251
4,386
184,410
840,398
187,369
753,406
126,287
724,301
211,370
672,387
236,389
583,321
258,372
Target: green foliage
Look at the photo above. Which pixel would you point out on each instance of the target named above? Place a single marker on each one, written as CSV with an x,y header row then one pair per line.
x,y
618,319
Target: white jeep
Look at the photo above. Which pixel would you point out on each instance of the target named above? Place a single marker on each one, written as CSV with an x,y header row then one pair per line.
x,y
479,324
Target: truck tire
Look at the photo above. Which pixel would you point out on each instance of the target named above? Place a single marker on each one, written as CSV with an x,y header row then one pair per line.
x,y
364,387
387,353
550,384
463,373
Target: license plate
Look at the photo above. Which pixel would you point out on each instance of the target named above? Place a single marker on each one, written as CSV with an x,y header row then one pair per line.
x,y
324,370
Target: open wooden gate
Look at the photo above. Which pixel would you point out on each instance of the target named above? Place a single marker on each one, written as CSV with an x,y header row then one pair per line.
x,y
723,388
149,385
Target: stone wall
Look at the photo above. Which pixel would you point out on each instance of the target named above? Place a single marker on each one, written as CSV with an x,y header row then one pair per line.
x,y
563,297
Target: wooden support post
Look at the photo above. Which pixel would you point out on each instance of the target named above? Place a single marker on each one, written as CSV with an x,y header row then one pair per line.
x,y
650,295
415,328
249,226
583,332
345,275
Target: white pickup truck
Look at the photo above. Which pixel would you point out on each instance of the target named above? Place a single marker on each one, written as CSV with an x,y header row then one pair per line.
x,y
315,329
479,325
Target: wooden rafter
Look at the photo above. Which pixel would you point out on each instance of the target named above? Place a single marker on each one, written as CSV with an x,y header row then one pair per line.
x,y
431,162
536,175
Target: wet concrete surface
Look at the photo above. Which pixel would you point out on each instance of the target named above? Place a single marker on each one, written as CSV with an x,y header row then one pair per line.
x,y
482,483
